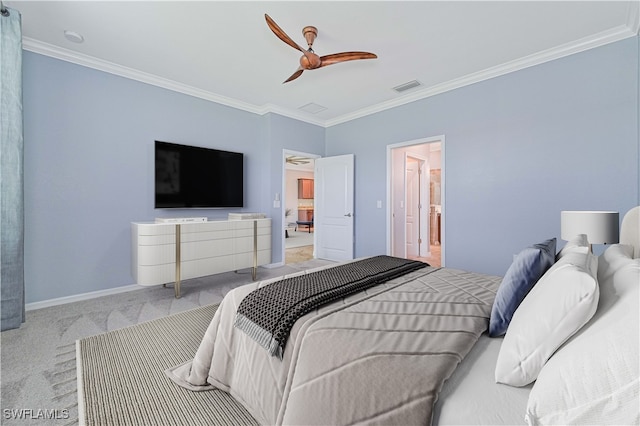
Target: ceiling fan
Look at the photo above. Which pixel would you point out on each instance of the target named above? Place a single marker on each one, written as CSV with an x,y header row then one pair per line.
x,y
292,159
309,59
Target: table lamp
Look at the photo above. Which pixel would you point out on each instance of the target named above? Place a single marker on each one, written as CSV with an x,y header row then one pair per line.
x,y
600,227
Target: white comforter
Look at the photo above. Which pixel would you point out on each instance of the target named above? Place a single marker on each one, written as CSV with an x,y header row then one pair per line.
x,y
377,357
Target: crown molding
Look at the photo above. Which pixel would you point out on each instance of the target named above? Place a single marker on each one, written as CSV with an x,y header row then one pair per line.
x,y
615,34
57,52
633,17
294,114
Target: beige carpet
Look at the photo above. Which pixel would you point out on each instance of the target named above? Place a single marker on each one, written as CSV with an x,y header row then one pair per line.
x,y
38,360
121,378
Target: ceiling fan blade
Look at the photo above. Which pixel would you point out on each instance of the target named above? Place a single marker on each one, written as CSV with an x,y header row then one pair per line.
x,y
292,159
344,56
295,75
281,34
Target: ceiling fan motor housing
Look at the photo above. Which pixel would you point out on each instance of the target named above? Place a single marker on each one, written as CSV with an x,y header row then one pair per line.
x,y
310,60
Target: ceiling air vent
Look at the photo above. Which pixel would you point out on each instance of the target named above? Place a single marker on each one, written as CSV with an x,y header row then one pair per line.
x,y
312,108
407,86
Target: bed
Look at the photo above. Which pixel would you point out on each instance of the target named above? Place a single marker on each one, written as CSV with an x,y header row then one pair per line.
x,y
415,349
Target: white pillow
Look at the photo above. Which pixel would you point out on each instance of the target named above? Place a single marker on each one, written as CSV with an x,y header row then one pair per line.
x,y
594,377
560,303
578,243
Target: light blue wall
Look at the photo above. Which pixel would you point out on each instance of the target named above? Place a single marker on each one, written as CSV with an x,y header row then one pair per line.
x,y
294,135
519,149
89,141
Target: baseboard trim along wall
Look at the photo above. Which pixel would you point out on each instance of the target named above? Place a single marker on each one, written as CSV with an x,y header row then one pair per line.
x,y
93,294
83,296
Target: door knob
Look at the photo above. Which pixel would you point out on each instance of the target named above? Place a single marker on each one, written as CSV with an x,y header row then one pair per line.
x,y
348,215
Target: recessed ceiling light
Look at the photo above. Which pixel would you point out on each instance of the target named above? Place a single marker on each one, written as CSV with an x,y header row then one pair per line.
x,y
73,36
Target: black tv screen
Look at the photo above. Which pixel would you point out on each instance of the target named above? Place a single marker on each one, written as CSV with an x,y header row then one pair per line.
x,y
195,177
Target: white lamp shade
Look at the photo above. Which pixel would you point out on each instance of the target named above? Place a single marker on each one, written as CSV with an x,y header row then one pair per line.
x,y
600,227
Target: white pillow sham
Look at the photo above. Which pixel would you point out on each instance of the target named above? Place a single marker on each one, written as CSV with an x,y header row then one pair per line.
x,y
564,299
594,377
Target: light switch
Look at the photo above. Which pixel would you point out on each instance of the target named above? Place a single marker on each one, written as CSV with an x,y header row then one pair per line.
x,y
276,204
379,204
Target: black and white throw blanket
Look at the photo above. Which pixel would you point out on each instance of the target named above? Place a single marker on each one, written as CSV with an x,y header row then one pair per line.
x,y
268,313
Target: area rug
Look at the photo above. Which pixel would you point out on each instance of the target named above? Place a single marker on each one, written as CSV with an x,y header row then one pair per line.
x,y
298,254
298,239
121,378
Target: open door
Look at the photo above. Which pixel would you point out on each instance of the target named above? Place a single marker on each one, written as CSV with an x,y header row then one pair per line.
x,y
333,216
412,203
416,197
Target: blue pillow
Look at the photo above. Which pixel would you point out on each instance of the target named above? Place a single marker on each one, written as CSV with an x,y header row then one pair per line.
x,y
527,268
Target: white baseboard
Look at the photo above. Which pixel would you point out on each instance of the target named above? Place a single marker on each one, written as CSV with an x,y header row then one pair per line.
x,y
82,296
93,294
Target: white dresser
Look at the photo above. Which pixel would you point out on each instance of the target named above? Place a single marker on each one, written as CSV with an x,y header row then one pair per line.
x,y
200,248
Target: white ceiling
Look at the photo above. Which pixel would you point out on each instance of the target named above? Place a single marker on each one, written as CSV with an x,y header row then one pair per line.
x,y
224,51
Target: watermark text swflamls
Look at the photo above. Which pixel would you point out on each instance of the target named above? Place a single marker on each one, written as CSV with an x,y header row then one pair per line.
x,y
35,414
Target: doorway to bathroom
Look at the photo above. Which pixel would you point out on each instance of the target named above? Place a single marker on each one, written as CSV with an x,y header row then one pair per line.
x,y
415,225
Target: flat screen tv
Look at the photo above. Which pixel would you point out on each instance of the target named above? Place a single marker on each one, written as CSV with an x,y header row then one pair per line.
x,y
195,177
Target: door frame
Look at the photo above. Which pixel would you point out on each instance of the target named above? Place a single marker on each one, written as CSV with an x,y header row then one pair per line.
x,y
389,221
283,208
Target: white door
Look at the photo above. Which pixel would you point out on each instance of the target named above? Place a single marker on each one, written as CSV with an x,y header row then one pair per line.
x,y
413,206
416,197
423,208
333,215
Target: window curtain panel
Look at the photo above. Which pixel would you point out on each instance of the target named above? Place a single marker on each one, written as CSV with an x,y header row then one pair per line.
x,y
11,172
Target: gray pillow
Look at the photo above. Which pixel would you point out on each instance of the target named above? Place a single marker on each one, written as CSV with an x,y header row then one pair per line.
x,y
527,268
